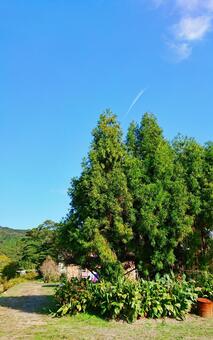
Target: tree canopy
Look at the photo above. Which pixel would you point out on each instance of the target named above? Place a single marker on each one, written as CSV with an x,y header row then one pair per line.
x,y
143,199
38,243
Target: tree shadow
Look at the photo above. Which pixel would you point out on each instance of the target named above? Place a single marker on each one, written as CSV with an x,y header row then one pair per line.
x,y
39,304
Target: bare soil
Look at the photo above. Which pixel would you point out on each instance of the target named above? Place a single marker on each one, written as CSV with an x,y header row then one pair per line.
x,y
22,307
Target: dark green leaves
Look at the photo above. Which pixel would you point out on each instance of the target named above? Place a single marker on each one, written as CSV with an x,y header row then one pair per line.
x,y
145,200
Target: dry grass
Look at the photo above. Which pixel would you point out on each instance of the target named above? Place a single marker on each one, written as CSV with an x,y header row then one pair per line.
x,y
22,316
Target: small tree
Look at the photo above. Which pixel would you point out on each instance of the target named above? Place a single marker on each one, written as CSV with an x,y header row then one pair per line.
x,y
49,270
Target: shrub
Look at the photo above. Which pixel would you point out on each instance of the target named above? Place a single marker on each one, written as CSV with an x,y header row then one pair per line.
x,y
6,284
127,300
167,296
12,282
49,270
4,261
74,296
33,275
203,280
120,300
10,270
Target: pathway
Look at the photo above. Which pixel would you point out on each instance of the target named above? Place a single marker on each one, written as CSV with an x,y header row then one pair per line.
x,y
22,307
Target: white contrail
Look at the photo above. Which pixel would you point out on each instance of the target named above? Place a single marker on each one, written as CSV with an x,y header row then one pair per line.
x,y
139,95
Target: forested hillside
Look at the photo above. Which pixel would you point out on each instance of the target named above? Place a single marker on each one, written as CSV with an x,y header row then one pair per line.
x,y
10,241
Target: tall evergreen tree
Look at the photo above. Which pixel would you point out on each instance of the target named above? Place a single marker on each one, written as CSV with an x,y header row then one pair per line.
x,y
160,197
99,224
197,170
207,207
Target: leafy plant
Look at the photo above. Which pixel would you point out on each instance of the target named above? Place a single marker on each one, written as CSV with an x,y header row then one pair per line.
x,y
203,281
167,296
128,300
121,300
73,296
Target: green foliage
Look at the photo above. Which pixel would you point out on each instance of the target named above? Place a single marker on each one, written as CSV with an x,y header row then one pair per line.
x,y
6,284
120,300
73,296
4,261
98,230
10,242
37,244
167,296
203,280
127,300
196,164
159,198
146,200
32,275
10,270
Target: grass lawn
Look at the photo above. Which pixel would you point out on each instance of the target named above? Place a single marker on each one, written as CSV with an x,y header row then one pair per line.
x,y
90,327
23,315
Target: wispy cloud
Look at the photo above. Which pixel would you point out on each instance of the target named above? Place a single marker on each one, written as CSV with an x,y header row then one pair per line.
x,y
192,28
181,50
195,6
158,3
194,19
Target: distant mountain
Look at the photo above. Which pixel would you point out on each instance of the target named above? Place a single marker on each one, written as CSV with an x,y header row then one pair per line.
x,y
10,241
11,231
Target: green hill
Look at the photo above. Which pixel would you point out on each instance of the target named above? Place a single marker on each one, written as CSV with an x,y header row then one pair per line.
x,y
10,241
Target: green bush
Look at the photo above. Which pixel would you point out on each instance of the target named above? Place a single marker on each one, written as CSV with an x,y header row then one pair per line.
x,y
121,300
33,275
10,270
12,282
5,284
73,296
167,296
4,261
203,281
112,301
127,300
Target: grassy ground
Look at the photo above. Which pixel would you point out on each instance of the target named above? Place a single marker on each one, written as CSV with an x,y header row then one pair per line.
x,y
87,327
24,315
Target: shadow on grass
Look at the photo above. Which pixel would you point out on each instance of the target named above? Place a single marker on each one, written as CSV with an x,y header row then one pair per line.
x,y
44,304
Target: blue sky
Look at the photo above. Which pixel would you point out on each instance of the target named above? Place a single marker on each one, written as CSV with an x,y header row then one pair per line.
x,y
63,62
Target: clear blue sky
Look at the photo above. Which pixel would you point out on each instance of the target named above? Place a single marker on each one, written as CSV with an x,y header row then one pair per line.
x,y
63,62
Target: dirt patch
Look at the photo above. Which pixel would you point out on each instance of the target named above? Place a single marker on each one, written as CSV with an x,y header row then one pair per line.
x,y
22,307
